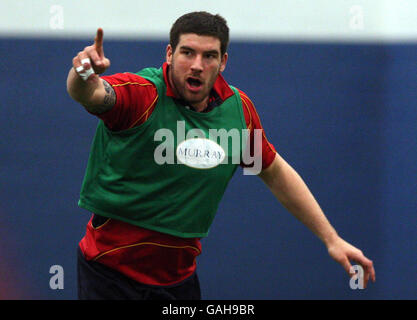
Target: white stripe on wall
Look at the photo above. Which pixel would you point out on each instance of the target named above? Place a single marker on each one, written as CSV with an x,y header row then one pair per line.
x,y
336,20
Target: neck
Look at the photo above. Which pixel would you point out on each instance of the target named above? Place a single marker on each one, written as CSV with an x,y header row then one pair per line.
x,y
200,107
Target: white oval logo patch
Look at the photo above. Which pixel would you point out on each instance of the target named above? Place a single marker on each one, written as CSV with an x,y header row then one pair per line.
x,y
200,153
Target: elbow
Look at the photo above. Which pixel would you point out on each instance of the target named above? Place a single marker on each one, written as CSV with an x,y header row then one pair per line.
x,y
93,108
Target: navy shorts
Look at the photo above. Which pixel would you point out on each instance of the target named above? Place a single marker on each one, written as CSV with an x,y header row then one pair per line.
x,y
98,282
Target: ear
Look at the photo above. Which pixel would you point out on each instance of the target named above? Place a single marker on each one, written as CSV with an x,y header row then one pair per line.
x,y
223,62
169,54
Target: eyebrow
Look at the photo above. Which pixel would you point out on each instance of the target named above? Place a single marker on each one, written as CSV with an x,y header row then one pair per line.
x,y
206,52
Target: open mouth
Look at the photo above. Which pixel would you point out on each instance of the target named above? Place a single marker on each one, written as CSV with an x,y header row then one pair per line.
x,y
194,83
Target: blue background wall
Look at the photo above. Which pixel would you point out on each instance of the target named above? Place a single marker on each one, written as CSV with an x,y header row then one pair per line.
x,y
344,115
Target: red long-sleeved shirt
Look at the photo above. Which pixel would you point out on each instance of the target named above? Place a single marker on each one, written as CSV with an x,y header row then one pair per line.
x,y
144,255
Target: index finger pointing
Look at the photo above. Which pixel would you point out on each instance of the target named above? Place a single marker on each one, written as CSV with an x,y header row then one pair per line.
x,y
98,41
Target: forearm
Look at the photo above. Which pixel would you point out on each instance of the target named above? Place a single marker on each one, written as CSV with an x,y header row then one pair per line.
x,y
96,95
80,90
291,191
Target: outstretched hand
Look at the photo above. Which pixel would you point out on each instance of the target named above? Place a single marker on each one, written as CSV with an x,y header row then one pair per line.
x,y
343,252
91,61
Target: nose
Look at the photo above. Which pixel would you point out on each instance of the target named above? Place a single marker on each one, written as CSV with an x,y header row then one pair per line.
x,y
197,65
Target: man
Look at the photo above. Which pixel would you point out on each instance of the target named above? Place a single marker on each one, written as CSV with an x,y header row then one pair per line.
x,y
143,238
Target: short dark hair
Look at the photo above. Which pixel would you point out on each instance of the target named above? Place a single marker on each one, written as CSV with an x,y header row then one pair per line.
x,y
203,24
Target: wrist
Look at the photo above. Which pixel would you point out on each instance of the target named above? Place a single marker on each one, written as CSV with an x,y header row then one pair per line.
x,y
330,239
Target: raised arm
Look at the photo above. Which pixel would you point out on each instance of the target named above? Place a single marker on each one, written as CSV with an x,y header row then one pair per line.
x,y
83,83
289,188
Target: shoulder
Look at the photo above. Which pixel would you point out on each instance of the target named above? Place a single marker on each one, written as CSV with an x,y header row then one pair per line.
x,y
246,101
135,99
132,90
126,79
248,107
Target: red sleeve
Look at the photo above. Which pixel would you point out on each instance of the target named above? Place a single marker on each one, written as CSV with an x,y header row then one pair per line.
x,y
135,100
254,122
